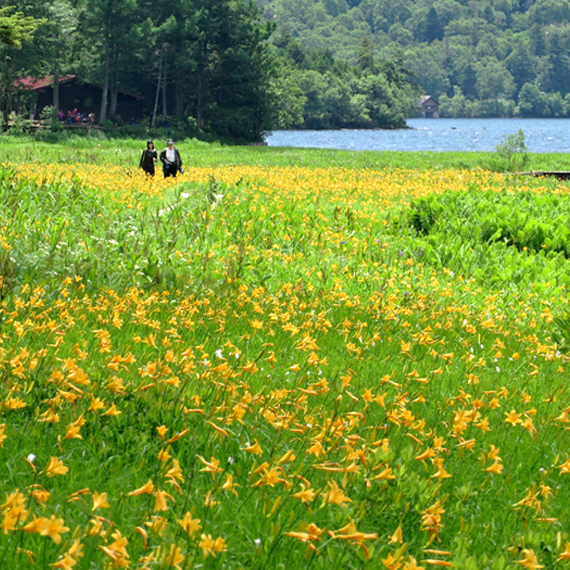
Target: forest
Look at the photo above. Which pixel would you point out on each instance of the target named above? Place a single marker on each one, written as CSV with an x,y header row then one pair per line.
x,y
215,68
480,58
236,69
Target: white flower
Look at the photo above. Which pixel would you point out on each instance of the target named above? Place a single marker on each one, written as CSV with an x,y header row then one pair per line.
x,y
257,542
31,458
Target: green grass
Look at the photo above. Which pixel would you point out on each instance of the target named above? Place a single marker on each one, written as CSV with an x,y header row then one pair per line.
x,y
197,153
372,349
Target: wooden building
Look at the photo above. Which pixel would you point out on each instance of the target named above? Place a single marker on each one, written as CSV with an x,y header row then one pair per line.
x,y
75,94
429,107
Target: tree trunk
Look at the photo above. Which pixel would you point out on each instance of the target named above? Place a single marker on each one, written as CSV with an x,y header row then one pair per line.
x,y
201,87
200,104
104,96
6,80
56,82
164,86
179,96
114,88
113,105
157,90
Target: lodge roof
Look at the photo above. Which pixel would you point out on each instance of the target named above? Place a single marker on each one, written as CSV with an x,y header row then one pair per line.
x,y
426,98
37,84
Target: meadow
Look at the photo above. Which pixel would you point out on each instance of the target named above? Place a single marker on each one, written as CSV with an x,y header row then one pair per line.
x,y
282,359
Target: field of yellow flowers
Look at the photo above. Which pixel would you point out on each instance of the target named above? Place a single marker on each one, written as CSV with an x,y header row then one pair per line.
x,y
267,367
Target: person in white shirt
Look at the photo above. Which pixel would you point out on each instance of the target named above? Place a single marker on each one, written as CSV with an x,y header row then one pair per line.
x,y
171,160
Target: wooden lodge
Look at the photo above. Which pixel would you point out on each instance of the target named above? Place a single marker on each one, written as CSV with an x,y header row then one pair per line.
x,y
429,107
75,94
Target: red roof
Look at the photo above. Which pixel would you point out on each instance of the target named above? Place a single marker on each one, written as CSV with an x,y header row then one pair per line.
x,y
34,84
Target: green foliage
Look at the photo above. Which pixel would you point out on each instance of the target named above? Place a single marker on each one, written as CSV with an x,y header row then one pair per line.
x,y
330,94
49,115
513,151
144,306
287,98
507,237
487,50
205,59
112,253
100,148
561,333
20,125
16,28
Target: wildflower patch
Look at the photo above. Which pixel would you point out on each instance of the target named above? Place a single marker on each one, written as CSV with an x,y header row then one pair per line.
x,y
281,378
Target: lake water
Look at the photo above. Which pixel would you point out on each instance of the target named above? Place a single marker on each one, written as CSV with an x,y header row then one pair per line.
x,y
542,135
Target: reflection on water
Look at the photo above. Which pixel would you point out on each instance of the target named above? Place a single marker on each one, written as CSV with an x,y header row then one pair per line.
x,y
542,135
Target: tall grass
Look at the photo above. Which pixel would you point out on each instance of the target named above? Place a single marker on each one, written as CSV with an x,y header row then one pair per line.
x,y
270,368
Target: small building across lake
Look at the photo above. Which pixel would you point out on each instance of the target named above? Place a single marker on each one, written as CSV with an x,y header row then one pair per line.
x,y
429,107
75,94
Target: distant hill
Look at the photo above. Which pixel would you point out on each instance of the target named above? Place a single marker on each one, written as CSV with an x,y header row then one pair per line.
x,y
478,57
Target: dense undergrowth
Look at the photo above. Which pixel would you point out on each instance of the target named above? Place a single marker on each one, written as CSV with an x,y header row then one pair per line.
x,y
280,367
509,238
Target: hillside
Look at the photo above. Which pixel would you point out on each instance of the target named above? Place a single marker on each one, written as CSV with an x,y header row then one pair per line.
x,y
479,58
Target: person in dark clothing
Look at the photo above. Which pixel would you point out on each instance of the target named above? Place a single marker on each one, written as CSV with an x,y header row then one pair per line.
x,y
171,161
148,158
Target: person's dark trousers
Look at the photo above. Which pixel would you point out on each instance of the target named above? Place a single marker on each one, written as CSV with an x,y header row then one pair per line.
x,y
170,170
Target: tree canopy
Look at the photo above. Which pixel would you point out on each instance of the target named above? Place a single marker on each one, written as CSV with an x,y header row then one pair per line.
x,y
215,67
16,28
478,57
235,69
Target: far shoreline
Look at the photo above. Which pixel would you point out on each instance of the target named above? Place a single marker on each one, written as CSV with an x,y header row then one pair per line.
x,y
437,135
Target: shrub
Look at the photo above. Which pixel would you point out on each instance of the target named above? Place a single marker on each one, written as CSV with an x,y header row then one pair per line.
x,y
49,117
513,151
